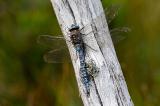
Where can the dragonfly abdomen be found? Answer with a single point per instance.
(85, 77)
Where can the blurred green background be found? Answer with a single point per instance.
(26, 80)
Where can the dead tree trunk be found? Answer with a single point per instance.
(108, 88)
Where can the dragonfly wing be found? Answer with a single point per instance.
(111, 12)
(56, 56)
(118, 34)
(57, 46)
(51, 41)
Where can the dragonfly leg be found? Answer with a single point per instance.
(82, 28)
(87, 33)
(90, 47)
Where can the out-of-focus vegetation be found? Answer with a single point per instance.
(26, 80)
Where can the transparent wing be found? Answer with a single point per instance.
(58, 50)
(111, 12)
(57, 56)
(118, 34)
(51, 41)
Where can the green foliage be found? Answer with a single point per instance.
(26, 80)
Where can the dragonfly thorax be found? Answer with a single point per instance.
(75, 37)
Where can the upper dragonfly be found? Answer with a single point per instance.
(56, 54)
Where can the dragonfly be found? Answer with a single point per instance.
(76, 39)
(57, 45)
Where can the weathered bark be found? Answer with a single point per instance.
(108, 87)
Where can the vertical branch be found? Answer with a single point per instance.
(108, 88)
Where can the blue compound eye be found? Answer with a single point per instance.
(74, 27)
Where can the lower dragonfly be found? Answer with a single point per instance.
(76, 38)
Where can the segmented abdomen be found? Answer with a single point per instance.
(85, 78)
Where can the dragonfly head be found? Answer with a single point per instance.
(73, 27)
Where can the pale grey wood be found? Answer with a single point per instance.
(109, 82)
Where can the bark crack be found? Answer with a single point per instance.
(98, 95)
(71, 11)
(119, 95)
